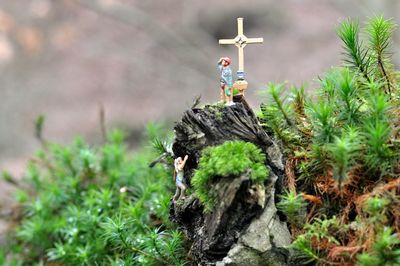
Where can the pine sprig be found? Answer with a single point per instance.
(342, 153)
(380, 32)
(357, 56)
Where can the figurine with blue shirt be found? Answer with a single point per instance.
(226, 80)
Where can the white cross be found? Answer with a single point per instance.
(240, 41)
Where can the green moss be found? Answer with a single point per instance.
(229, 159)
(347, 129)
(236, 91)
(292, 205)
(94, 206)
(384, 251)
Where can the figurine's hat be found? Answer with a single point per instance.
(227, 59)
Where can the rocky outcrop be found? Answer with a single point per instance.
(243, 228)
(263, 242)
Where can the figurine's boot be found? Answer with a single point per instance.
(177, 194)
(182, 190)
(231, 96)
(222, 95)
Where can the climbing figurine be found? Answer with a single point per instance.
(179, 164)
(226, 80)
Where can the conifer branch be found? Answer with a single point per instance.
(357, 56)
(380, 33)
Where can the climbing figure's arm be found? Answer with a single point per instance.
(182, 165)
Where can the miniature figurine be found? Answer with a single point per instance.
(226, 80)
(179, 164)
(241, 41)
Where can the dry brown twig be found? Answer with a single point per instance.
(290, 176)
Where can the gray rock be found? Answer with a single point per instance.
(241, 255)
(275, 156)
(267, 230)
(262, 239)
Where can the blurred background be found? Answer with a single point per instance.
(146, 60)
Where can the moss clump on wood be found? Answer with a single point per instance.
(232, 158)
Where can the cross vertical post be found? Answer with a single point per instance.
(240, 26)
(240, 46)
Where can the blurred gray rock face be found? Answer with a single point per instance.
(263, 242)
(243, 228)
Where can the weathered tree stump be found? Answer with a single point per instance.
(244, 226)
